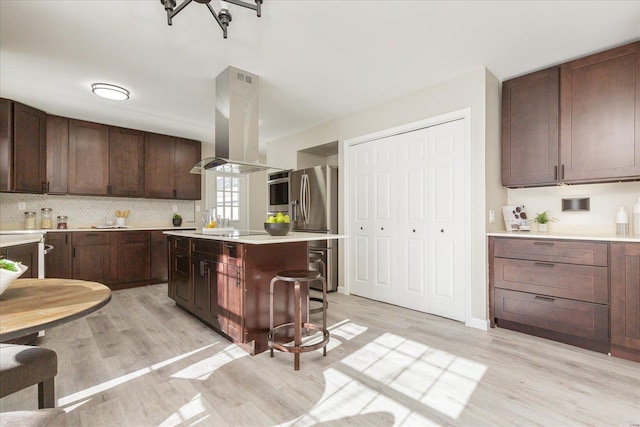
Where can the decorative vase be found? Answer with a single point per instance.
(177, 222)
(543, 228)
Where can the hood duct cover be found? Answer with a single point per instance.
(236, 142)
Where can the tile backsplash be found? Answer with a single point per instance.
(83, 211)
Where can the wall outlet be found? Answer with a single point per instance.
(22, 206)
(492, 216)
(174, 208)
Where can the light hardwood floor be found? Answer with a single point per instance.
(141, 361)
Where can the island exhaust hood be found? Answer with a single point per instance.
(236, 138)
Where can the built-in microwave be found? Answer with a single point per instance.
(278, 186)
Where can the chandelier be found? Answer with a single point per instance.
(222, 18)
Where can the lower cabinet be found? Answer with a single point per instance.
(118, 259)
(226, 285)
(582, 293)
(57, 263)
(625, 300)
(27, 255)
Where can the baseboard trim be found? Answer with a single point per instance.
(481, 324)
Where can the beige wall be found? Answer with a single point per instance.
(477, 90)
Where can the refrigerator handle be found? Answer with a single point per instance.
(307, 199)
(302, 198)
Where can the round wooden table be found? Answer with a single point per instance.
(32, 305)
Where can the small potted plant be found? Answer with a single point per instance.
(543, 219)
(177, 220)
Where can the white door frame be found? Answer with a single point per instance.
(464, 114)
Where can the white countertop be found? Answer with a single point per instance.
(608, 237)
(7, 240)
(64, 230)
(259, 239)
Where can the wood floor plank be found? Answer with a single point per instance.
(141, 361)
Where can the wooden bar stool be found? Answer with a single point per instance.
(22, 366)
(317, 259)
(297, 278)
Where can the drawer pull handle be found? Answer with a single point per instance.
(544, 264)
(544, 298)
(543, 243)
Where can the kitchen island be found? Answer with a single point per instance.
(223, 280)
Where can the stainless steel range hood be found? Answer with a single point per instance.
(236, 142)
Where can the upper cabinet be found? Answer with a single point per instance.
(88, 158)
(168, 161)
(126, 162)
(530, 129)
(57, 154)
(600, 116)
(576, 123)
(22, 148)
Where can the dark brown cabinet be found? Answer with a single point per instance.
(57, 154)
(88, 158)
(625, 300)
(126, 162)
(556, 289)
(530, 136)
(130, 255)
(91, 257)
(168, 161)
(226, 285)
(58, 262)
(26, 254)
(159, 257)
(576, 125)
(22, 148)
(180, 283)
(600, 116)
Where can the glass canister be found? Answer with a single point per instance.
(62, 221)
(29, 220)
(46, 218)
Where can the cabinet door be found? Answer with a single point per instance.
(625, 296)
(187, 185)
(92, 262)
(158, 166)
(530, 108)
(57, 263)
(180, 286)
(25, 254)
(130, 250)
(201, 278)
(600, 116)
(30, 159)
(88, 158)
(6, 144)
(126, 162)
(159, 257)
(57, 154)
(233, 313)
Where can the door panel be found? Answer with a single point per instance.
(360, 223)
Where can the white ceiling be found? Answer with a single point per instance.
(317, 59)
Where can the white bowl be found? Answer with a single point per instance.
(7, 277)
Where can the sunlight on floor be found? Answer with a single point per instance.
(186, 412)
(203, 369)
(398, 376)
(88, 392)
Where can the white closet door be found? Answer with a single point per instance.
(412, 219)
(384, 173)
(447, 193)
(360, 253)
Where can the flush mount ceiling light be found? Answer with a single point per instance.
(109, 91)
(222, 18)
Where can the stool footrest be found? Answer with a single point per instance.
(302, 348)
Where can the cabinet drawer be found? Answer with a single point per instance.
(132, 237)
(565, 251)
(208, 249)
(578, 282)
(233, 253)
(576, 318)
(93, 238)
(180, 244)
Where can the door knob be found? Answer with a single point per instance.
(442, 230)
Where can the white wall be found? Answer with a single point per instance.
(477, 90)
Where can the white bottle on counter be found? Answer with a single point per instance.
(636, 218)
(622, 222)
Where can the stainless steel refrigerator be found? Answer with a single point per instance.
(313, 194)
